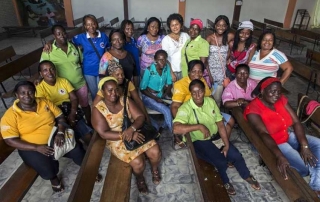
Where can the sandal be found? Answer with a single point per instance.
(99, 178)
(142, 186)
(230, 189)
(58, 188)
(178, 143)
(156, 178)
(230, 165)
(253, 183)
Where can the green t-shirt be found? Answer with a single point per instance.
(67, 65)
(196, 49)
(208, 114)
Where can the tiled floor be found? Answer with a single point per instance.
(179, 181)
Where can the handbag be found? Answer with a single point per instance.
(216, 139)
(226, 80)
(69, 142)
(149, 131)
(66, 110)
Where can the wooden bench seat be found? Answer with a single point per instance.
(211, 185)
(308, 36)
(21, 30)
(292, 39)
(273, 24)
(295, 187)
(258, 25)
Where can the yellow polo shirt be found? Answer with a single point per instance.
(181, 91)
(58, 93)
(32, 127)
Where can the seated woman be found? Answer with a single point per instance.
(182, 94)
(27, 126)
(107, 118)
(270, 115)
(155, 85)
(238, 92)
(200, 116)
(115, 70)
(61, 93)
(267, 60)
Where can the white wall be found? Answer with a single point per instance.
(141, 9)
(109, 9)
(303, 4)
(260, 9)
(208, 9)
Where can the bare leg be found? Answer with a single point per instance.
(138, 165)
(56, 184)
(154, 155)
(229, 127)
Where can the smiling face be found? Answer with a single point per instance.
(244, 34)
(153, 28)
(60, 35)
(197, 94)
(175, 26)
(196, 72)
(242, 75)
(26, 95)
(48, 73)
(267, 42)
(272, 93)
(161, 60)
(117, 40)
(119, 75)
(194, 31)
(110, 91)
(128, 30)
(221, 26)
(90, 25)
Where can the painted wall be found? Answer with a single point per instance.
(302, 4)
(7, 14)
(260, 9)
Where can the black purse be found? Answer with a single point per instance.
(149, 131)
(66, 110)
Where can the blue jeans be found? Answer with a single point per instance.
(159, 107)
(290, 150)
(208, 152)
(81, 129)
(92, 82)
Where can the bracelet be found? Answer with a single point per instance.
(133, 128)
(60, 133)
(304, 146)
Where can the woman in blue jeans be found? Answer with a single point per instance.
(156, 86)
(271, 117)
(201, 117)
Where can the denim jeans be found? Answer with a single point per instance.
(290, 150)
(208, 152)
(81, 129)
(217, 92)
(92, 82)
(159, 107)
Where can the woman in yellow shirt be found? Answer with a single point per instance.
(27, 126)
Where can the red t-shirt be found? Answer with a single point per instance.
(277, 122)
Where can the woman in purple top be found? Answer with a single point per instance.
(238, 92)
(149, 42)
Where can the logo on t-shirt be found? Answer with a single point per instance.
(102, 45)
(62, 91)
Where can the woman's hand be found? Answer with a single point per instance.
(45, 150)
(72, 118)
(204, 130)
(225, 150)
(127, 134)
(138, 137)
(47, 48)
(59, 140)
(308, 157)
(283, 164)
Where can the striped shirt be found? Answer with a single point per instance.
(267, 66)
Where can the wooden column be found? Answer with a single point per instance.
(182, 8)
(68, 12)
(125, 9)
(16, 10)
(236, 12)
(289, 13)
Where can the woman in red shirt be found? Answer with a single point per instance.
(270, 115)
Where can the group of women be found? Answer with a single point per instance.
(183, 68)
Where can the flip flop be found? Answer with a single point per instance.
(58, 188)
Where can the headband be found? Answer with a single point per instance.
(197, 22)
(105, 79)
(268, 81)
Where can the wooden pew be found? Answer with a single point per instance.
(295, 187)
(77, 22)
(273, 24)
(6, 54)
(307, 36)
(20, 30)
(292, 39)
(21, 180)
(117, 181)
(211, 185)
(258, 25)
(313, 56)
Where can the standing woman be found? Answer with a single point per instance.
(120, 55)
(130, 44)
(173, 44)
(149, 42)
(196, 48)
(94, 44)
(267, 60)
(243, 48)
(219, 53)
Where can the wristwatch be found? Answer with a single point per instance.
(133, 128)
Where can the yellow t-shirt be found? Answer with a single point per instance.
(130, 88)
(181, 91)
(32, 127)
(58, 93)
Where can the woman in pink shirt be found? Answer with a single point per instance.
(238, 92)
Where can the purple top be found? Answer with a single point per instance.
(233, 91)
